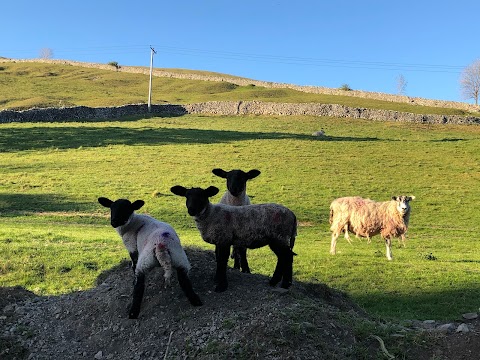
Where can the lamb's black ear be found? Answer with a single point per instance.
(394, 198)
(105, 202)
(411, 197)
(253, 173)
(178, 190)
(211, 191)
(137, 204)
(220, 172)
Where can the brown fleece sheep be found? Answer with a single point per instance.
(366, 218)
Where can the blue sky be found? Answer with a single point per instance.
(365, 44)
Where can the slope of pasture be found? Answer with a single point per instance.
(55, 238)
(27, 85)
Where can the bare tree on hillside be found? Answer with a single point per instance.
(401, 85)
(46, 53)
(470, 81)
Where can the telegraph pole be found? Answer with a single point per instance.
(152, 52)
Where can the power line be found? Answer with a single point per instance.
(264, 58)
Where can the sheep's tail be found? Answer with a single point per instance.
(163, 257)
(293, 234)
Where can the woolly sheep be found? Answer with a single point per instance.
(150, 243)
(236, 195)
(250, 226)
(366, 218)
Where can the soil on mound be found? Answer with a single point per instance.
(249, 321)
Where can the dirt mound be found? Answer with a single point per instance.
(248, 321)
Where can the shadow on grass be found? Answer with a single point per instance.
(68, 137)
(13, 204)
(422, 305)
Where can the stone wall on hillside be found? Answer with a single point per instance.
(229, 108)
(244, 82)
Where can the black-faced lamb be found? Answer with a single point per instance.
(366, 218)
(249, 226)
(150, 243)
(236, 195)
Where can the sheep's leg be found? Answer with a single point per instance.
(388, 243)
(146, 261)
(347, 236)
(138, 290)
(287, 269)
(222, 252)
(402, 241)
(236, 258)
(134, 257)
(216, 257)
(279, 268)
(187, 288)
(333, 245)
(242, 258)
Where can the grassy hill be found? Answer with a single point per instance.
(25, 85)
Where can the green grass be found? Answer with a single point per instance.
(55, 237)
(26, 85)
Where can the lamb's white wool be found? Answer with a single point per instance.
(150, 243)
(149, 237)
(249, 226)
(236, 195)
(366, 218)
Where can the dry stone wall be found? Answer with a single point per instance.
(229, 108)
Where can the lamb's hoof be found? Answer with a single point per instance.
(195, 300)
(133, 315)
(286, 285)
(246, 271)
(280, 290)
(273, 282)
(221, 288)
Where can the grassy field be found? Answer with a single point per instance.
(56, 238)
(27, 85)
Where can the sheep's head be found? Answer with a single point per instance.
(403, 203)
(197, 198)
(120, 210)
(236, 179)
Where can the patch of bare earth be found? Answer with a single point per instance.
(250, 320)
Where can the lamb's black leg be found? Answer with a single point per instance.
(288, 269)
(278, 273)
(242, 258)
(138, 289)
(187, 288)
(236, 258)
(223, 253)
(217, 252)
(134, 257)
